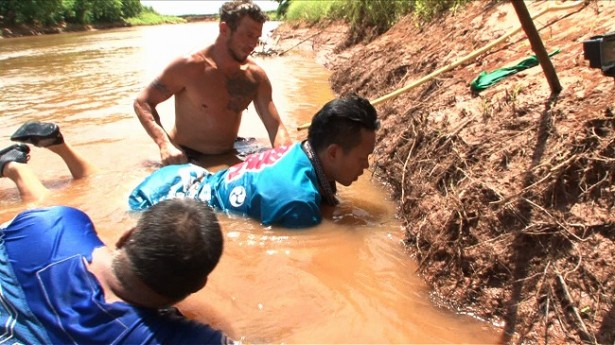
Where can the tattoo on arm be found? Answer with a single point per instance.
(160, 87)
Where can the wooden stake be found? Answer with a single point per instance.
(537, 46)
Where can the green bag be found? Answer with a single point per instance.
(484, 79)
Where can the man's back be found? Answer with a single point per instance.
(278, 186)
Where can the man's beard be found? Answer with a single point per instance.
(232, 52)
(237, 57)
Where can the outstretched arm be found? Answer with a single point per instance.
(161, 89)
(269, 114)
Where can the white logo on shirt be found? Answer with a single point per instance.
(237, 196)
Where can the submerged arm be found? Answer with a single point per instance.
(162, 88)
(267, 111)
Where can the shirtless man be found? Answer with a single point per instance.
(212, 87)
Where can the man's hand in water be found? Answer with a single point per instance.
(170, 154)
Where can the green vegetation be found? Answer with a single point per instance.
(427, 10)
(368, 18)
(81, 12)
(149, 17)
(311, 11)
(272, 15)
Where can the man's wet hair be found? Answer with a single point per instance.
(231, 12)
(174, 246)
(340, 122)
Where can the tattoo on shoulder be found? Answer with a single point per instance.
(158, 85)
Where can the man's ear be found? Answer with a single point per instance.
(224, 28)
(124, 238)
(332, 151)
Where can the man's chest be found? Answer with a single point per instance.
(216, 90)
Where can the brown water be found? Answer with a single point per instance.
(347, 280)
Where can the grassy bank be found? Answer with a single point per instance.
(149, 17)
(368, 18)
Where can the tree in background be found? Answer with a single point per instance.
(107, 11)
(78, 11)
(131, 8)
(44, 12)
(52, 12)
(8, 11)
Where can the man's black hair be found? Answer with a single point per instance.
(340, 122)
(175, 245)
(232, 11)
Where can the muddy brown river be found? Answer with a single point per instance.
(347, 280)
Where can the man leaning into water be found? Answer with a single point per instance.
(287, 185)
(212, 87)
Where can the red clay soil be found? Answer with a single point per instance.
(507, 196)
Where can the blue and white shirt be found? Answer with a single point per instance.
(277, 186)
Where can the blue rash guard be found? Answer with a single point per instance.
(48, 296)
(277, 186)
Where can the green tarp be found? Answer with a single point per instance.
(484, 79)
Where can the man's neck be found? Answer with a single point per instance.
(325, 185)
(130, 290)
(101, 268)
(223, 59)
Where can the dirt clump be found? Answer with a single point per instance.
(507, 196)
